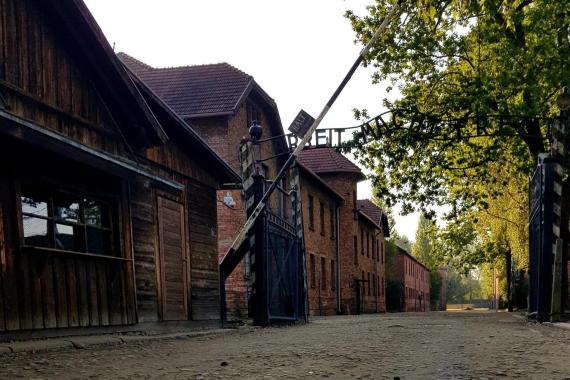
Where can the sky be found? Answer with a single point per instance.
(298, 51)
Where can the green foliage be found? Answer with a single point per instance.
(463, 61)
(422, 247)
(462, 288)
(394, 295)
(434, 286)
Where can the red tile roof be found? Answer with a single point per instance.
(195, 91)
(318, 180)
(328, 160)
(369, 208)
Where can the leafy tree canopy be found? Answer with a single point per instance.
(478, 81)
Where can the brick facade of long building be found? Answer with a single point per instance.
(361, 237)
(343, 245)
(414, 281)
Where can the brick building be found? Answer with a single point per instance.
(361, 237)
(220, 102)
(413, 278)
(320, 208)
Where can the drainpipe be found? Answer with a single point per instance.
(338, 263)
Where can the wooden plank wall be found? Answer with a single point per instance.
(200, 203)
(40, 290)
(42, 82)
(204, 275)
(202, 249)
(145, 247)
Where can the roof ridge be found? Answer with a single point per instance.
(231, 67)
(137, 61)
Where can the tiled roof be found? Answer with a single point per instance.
(367, 207)
(328, 160)
(315, 177)
(370, 209)
(194, 91)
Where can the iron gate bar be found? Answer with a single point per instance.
(276, 229)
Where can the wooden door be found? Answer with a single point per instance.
(172, 256)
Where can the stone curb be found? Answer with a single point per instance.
(81, 342)
(558, 325)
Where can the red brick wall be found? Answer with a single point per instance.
(415, 278)
(321, 245)
(345, 185)
(354, 263)
(371, 265)
(224, 135)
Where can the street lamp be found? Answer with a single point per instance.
(255, 131)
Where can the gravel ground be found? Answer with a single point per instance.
(408, 346)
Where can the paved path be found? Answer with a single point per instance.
(410, 346)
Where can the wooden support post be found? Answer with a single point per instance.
(509, 259)
(556, 303)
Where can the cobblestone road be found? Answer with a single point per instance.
(410, 346)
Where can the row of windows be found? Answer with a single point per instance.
(323, 274)
(368, 242)
(414, 293)
(414, 269)
(374, 285)
(322, 217)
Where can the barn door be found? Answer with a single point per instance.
(172, 255)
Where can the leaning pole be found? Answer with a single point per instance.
(229, 261)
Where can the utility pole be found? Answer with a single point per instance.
(494, 291)
(509, 258)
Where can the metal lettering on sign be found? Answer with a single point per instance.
(300, 126)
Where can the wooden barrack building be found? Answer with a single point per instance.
(107, 198)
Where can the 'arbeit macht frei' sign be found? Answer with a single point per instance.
(322, 137)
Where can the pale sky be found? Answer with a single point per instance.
(297, 50)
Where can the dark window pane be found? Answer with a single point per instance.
(34, 202)
(96, 213)
(35, 231)
(66, 208)
(99, 241)
(69, 238)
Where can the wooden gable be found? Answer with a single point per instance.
(44, 78)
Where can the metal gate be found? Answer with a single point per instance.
(282, 268)
(541, 239)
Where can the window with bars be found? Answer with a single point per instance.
(66, 221)
(253, 113)
(323, 274)
(362, 241)
(313, 272)
(322, 217)
(355, 250)
(311, 212)
(331, 221)
(333, 276)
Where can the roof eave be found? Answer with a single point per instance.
(87, 20)
(313, 175)
(232, 175)
(365, 216)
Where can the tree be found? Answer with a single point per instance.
(422, 247)
(478, 80)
